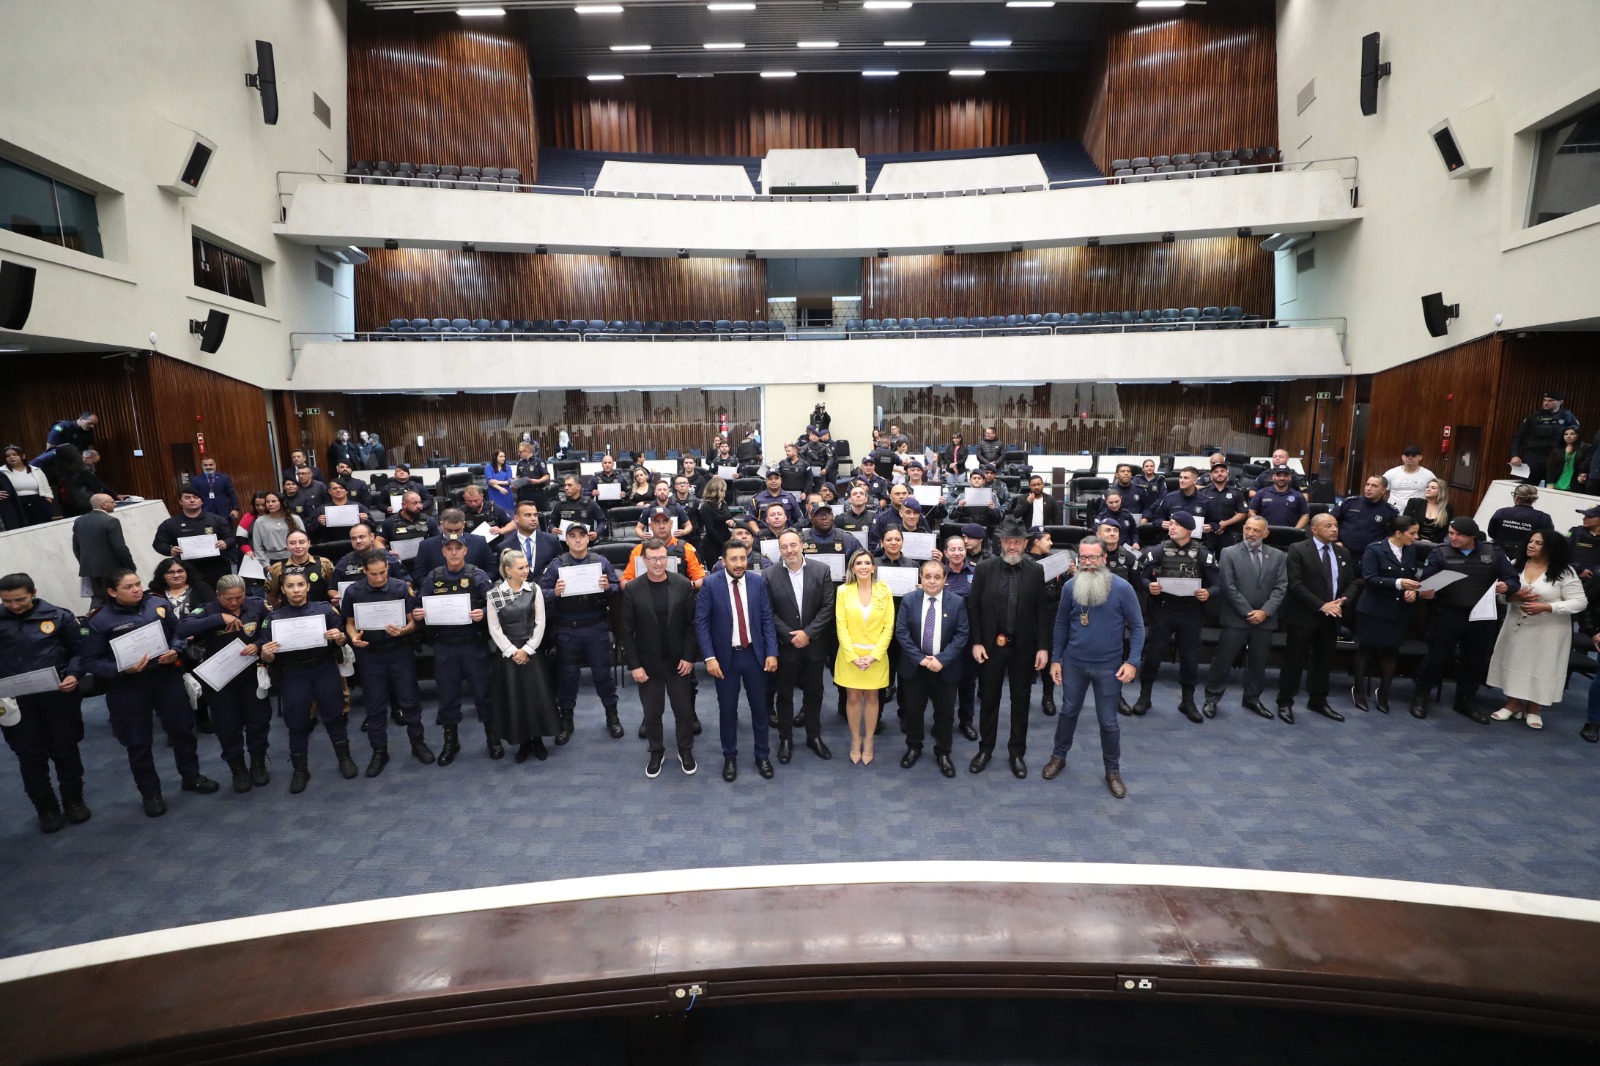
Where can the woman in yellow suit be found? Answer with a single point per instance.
(864, 617)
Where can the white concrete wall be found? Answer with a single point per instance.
(810, 168)
(715, 179)
(44, 552)
(104, 92)
(985, 173)
(1424, 232)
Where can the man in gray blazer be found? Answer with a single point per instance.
(1255, 580)
(803, 594)
(98, 543)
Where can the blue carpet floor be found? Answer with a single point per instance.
(1440, 800)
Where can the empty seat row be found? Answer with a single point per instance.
(431, 175)
(838, 197)
(1145, 321)
(433, 329)
(1251, 157)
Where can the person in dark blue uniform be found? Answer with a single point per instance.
(412, 524)
(351, 567)
(193, 521)
(1225, 507)
(583, 632)
(309, 677)
(35, 635)
(78, 432)
(430, 554)
(1281, 504)
(1451, 629)
(385, 663)
(1510, 527)
(149, 688)
(574, 506)
(230, 625)
(1175, 618)
(1586, 545)
(1186, 498)
(460, 652)
(1363, 520)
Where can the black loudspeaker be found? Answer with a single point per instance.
(210, 331)
(1371, 72)
(266, 79)
(16, 294)
(1437, 314)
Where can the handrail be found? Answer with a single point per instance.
(1283, 166)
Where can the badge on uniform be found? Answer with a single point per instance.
(311, 576)
(161, 612)
(1000, 640)
(47, 628)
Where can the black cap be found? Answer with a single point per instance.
(1465, 526)
(403, 466)
(1412, 449)
(1282, 470)
(581, 527)
(1182, 518)
(1223, 466)
(452, 538)
(974, 531)
(1555, 394)
(1593, 512)
(656, 512)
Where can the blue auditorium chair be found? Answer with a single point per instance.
(1068, 321)
(1122, 164)
(396, 323)
(1034, 322)
(1142, 174)
(1159, 161)
(1140, 161)
(421, 324)
(1232, 316)
(616, 325)
(1091, 320)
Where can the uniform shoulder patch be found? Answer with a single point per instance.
(47, 627)
(161, 612)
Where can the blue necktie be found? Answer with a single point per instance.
(927, 629)
(527, 549)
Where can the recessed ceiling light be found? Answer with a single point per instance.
(816, 44)
(1030, 3)
(1160, 3)
(777, 73)
(605, 77)
(479, 12)
(966, 72)
(630, 48)
(724, 45)
(599, 9)
(879, 73)
(730, 7)
(991, 43)
(886, 5)
(904, 44)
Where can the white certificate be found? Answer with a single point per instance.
(1484, 610)
(1179, 586)
(203, 546)
(978, 498)
(900, 579)
(483, 531)
(1520, 470)
(380, 614)
(927, 495)
(672, 564)
(300, 634)
(581, 580)
(135, 644)
(816, 471)
(335, 517)
(250, 569)
(1056, 563)
(394, 504)
(224, 665)
(608, 490)
(1443, 579)
(406, 549)
(834, 561)
(727, 473)
(919, 546)
(836, 508)
(454, 609)
(30, 683)
(344, 585)
(769, 548)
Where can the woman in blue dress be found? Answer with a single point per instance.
(499, 473)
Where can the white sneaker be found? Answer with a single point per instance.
(1535, 720)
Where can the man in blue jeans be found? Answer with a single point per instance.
(1098, 610)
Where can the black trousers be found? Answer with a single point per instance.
(662, 686)
(240, 719)
(1166, 626)
(1233, 640)
(1308, 650)
(1448, 631)
(50, 731)
(1014, 664)
(916, 689)
(806, 672)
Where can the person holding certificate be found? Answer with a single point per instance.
(863, 616)
(1459, 625)
(132, 646)
(198, 537)
(301, 641)
(335, 518)
(376, 612)
(405, 530)
(227, 629)
(452, 603)
(581, 588)
(1178, 575)
(318, 572)
(41, 668)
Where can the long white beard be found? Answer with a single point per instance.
(1091, 588)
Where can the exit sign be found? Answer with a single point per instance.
(1320, 396)
(318, 410)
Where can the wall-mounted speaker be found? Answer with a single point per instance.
(266, 79)
(210, 330)
(1468, 141)
(16, 294)
(195, 163)
(1436, 314)
(1371, 72)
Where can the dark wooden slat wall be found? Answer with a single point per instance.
(748, 115)
(426, 89)
(434, 283)
(1218, 270)
(1202, 80)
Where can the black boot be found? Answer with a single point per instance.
(497, 748)
(564, 733)
(614, 724)
(241, 774)
(347, 765)
(301, 775)
(380, 759)
(1142, 704)
(1186, 706)
(452, 745)
(72, 800)
(258, 769)
(50, 819)
(421, 752)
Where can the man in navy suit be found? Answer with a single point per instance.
(540, 547)
(217, 494)
(932, 633)
(733, 621)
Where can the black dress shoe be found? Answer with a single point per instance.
(1474, 714)
(821, 749)
(1048, 705)
(909, 759)
(1327, 712)
(764, 767)
(980, 762)
(1118, 789)
(1191, 712)
(1590, 732)
(200, 783)
(730, 769)
(1053, 768)
(497, 748)
(1419, 708)
(1258, 707)
(1286, 712)
(946, 767)
(1124, 708)
(1019, 768)
(969, 732)
(614, 726)
(785, 751)
(1209, 708)
(154, 806)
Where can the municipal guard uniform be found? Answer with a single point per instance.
(67, 431)
(1284, 508)
(51, 727)
(859, 524)
(387, 668)
(1218, 506)
(1585, 547)
(1511, 527)
(1175, 501)
(1536, 437)
(319, 575)
(242, 720)
(348, 569)
(1450, 627)
(205, 525)
(1174, 618)
(877, 487)
(765, 498)
(528, 470)
(310, 678)
(136, 699)
(582, 510)
(583, 636)
(401, 528)
(461, 654)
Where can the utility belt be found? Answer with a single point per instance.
(580, 623)
(385, 647)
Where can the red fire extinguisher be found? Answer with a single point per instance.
(722, 425)
(1260, 409)
(1272, 420)
(1444, 442)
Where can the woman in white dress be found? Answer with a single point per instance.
(1530, 656)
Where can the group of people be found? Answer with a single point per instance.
(861, 576)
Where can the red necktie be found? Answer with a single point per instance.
(738, 613)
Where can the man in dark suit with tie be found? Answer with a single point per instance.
(98, 543)
(803, 595)
(1008, 613)
(1320, 575)
(530, 540)
(1255, 581)
(658, 644)
(733, 623)
(931, 631)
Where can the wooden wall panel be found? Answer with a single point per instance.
(1201, 80)
(746, 115)
(1220, 271)
(427, 89)
(1532, 363)
(433, 283)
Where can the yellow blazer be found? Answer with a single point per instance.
(857, 635)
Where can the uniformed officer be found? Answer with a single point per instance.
(532, 481)
(192, 521)
(328, 539)
(312, 487)
(35, 635)
(308, 677)
(476, 510)
(867, 474)
(681, 557)
(460, 652)
(1185, 498)
(409, 525)
(606, 475)
(299, 502)
(231, 625)
(1451, 628)
(1225, 507)
(217, 494)
(775, 493)
(1510, 527)
(824, 538)
(679, 516)
(1152, 486)
(151, 687)
(1280, 503)
(401, 483)
(1586, 545)
(430, 555)
(774, 521)
(351, 567)
(794, 472)
(360, 492)
(1174, 615)
(573, 506)
(318, 572)
(1539, 435)
(888, 515)
(79, 432)
(583, 631)
(384, 662)
(1363, 520)
(857, 515)
(741, 535)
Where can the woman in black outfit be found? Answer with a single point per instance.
(1385, 610)
(1433, 512)
(715, 521)
(75, 482)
